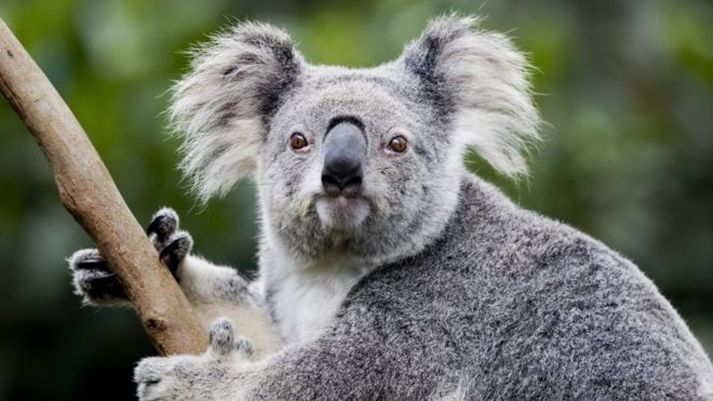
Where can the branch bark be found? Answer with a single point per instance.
(88, 192)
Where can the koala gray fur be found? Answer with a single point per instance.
(429, 285)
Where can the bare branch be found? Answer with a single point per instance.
(90, 195)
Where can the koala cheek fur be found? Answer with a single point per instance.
(441, 288)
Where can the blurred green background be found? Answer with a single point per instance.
(626, 87)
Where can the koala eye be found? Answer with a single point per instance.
(298, 142)
(398, 144)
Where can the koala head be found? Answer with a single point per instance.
(363, 161)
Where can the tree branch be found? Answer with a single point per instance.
(90, 195)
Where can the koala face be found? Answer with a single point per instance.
(359, 161)
(398, 173)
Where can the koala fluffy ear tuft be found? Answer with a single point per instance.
(481, 81)
(222, 107)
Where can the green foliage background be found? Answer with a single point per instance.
(626, 86)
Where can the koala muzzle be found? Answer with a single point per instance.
(344, 152)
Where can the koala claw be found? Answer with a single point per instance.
(172, 245)
(93, 279)
(87, 259)
(175, 249)
(163, 223)
(223, 342)
(221, 337)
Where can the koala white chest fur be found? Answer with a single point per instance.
(386, 270)
(305, 297)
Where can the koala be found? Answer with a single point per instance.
(387, 271)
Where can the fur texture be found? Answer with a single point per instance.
(485, 80)
(221, 107)
(445, 289)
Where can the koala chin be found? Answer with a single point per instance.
(342, 213)
(387, 271)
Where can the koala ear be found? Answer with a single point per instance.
(481, 81)
(222, 107)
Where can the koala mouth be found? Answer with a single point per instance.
(342, 213)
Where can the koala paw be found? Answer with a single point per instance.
(191, 377)
(172, 245)
(224, 344)
(93, 280)
(93, 277)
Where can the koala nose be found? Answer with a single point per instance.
(344, 151)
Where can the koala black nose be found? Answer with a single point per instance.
(344, 151)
